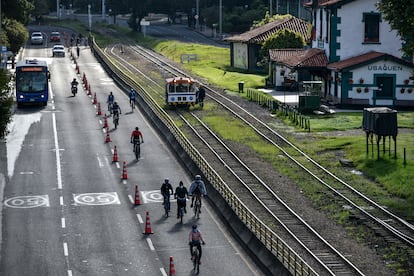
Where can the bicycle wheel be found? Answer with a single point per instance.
(196, 260)
(166, 207)
(137, 151)
(132, 105)
(181, 214)
(116, 122)
(197, 209)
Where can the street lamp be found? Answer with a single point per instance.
(103, 10)
(89, 17)
(220, 17)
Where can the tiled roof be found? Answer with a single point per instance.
(299, 57)
(260, 34)
(364, 58)
(323, 3)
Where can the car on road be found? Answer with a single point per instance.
(58, 50)
(36, 38)
(54, 37)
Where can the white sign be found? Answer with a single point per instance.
(94, 199)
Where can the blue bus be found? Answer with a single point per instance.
(32, 82)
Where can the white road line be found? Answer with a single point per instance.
(151, 246)
(131, 199)
(63, 221)
(163, 272)
(101, 165)
(61, 200)
(140, 219)
(65, 249)
(69, 272)
(58, 166)
(117, 165)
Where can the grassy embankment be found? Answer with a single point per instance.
(389, 179)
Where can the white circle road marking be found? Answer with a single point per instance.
(96, 199)
(27, 201)
(153, 196)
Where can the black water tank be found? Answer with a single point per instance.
(381, 121)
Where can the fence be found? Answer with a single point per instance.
(274, 106)
(286, 255)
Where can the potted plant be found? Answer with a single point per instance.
(361, 80)
(366, 89)
(402, 90)
(350, 81)
(410, 90)
(359, 89)
(407, 81)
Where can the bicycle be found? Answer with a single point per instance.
(181, 210)
(197, 206)
(137, 149)
(110, 107)
(132, 103)
(116, 119)
(196, 259)
(167, 206)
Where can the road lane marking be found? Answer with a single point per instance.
(96, 199)
(151, 246)
(154, 196)
(65, 249)
(58, 165)
(163, 272)
(140, 219)
(61, 200)
(131, 199)
(69, 272)
(25, 202)
(63, 222)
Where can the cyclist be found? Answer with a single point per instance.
(181, 195)
(136, 137)
(165, 191)
(197, 188)
(116, 109)
(74, 82)
(132, 95)
(110, 101)
(195, 239)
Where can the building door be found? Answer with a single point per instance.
(386, 87)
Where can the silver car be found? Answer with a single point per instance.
(58, 50)
(36, 38)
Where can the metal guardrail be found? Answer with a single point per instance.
(279, 248)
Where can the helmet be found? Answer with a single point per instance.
(166, 180)
(110, 92)
(198, 177)
(115, 103)
(181, 183)
(136, 128)
(132, 90)
(194, 226)
(74, 79)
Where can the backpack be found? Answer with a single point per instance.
(197, 190)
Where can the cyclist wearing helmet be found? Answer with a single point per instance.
(110, 101)
(116, 109)
(136, 136)
(197, 188)
(132, 95)
(166, 188)
(195, 239)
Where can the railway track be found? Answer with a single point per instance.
(321, 254)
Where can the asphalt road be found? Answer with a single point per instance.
(66, 210)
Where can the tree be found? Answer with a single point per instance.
(399, 15)
(283, 39)
(16, 33)
(6, 102)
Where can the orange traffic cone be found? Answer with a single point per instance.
(137, 199)
(172, 268)
(148, 229)
(115, 157)
(124, 172)
(105, 125)
(99, 109)
(77, 69)
(94, 98)
(107, 139)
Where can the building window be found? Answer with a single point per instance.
(371, 32)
